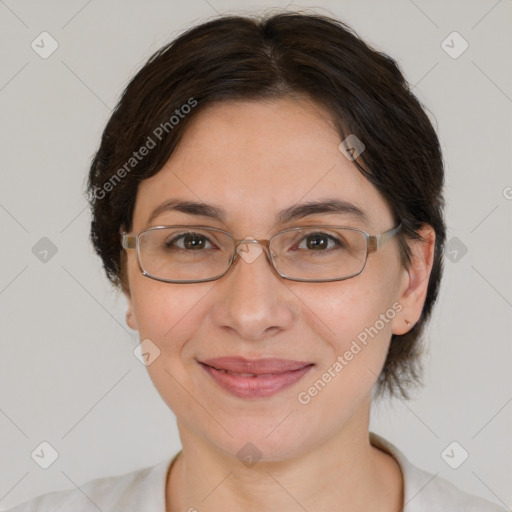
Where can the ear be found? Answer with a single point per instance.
(415, 279)
(131, 319)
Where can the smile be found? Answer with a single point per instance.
(255, 378)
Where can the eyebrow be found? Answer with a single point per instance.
(295, 212)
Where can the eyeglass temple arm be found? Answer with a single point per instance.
(375, 242)
(128, 241)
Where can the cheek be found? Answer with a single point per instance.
(356, 330)
(169, 318)
(341, 312)
(354, 321)
(165, 313)
(157, 307)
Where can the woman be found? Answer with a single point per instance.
(268, 195)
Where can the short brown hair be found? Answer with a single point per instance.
(243, 58)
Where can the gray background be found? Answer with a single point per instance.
(67, 372)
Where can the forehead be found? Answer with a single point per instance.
(254, 158)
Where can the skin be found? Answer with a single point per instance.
(252, 159)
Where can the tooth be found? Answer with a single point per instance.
(238, 374)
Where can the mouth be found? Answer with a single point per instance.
(255, 378)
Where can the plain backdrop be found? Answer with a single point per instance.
(68, 375)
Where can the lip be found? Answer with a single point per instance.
(255, 378)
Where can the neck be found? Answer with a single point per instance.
(344, 473)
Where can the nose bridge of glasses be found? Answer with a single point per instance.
(250, 248)
(251, 240)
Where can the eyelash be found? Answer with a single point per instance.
(337, 242)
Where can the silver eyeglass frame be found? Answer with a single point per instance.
(373, 244)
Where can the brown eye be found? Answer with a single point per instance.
(189, 241)
(319, 242)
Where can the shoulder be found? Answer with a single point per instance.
(426, 492)
(139, 490)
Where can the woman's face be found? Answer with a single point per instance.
(251, 160)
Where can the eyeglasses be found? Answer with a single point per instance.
(193, 254)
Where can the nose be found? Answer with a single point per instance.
(254, 302)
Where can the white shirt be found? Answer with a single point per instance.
(144, 491)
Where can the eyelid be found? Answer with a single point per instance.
(323, 223)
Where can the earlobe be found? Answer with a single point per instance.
(131, 319)
(415, 280)
(130, 316)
